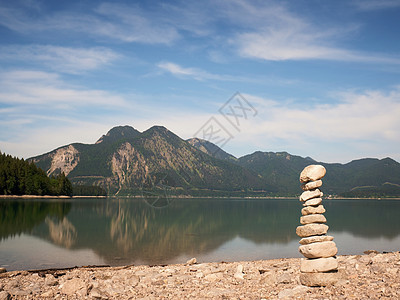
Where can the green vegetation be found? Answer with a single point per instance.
(88, 190)
(386, 190)
(19, 177)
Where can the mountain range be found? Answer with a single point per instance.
(157, 161)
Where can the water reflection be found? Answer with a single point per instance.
(124, 231)
(19, 216)
(369, 218)
(62, 232)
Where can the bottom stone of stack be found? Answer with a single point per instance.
(320, 279)
(318, 265)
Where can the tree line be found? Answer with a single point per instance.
(20, 177)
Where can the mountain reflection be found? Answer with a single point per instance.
(19, 216)
(124, 231)
(189, 227)
(62, 232)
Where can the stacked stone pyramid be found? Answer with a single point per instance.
(319, 267)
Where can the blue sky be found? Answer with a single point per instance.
(315, 78)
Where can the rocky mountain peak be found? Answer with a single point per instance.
(210, 149)
(119, 132)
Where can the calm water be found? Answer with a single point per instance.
(48, 234)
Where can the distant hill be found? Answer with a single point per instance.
(381, 176)
(371, 172)
(128, 162)
(280, 169)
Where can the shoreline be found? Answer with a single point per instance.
(372, 275)
(186, 197)
(183, 197)
(46, 197)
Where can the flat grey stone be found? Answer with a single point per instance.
(315, 239)
(318, 250)
(308, 210)
(306, 195)
(320, 279)
(324, 264)
(311, 229)
(314, 218)
(311, 185)
(313, 202)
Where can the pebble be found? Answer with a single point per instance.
(318, 250)
(315, 239)
(320, 279)
(314, 218)
(239, 272)
(310, 194)
(50, 280)
(311, 229)
(318, 265)
(309, 210)
(311, 185)
(191, 261)
(313, 202)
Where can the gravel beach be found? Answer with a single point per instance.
(372, 276)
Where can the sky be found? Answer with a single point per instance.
(310, 77)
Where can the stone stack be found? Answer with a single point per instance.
(319, 267)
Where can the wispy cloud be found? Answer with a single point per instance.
(369, 115)
(359, 124)
(131, 24)
(60, 59)
(369, 5)
(275, 33)
(293, 44)
(48, 89)
(195, 73)
(266, 30)
(114, 21)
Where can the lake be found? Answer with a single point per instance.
(38, 234)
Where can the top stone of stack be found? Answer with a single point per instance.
(312, 173)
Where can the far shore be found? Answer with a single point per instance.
(187, 196)
(45, 197)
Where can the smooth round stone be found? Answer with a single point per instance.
(3, 270)
(312, 173)
(309, 210)
(313, 202)
(315, 239)
(311, 229)
(318, 265)
(318, 250)
(306, 195)
(315, 218)
(311, 185)
(320, 279)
